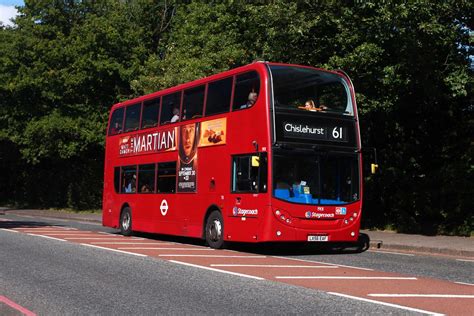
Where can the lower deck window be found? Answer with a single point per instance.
(146, 178)
(129, 179)
(167, 177)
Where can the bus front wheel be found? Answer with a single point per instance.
(126, 221)
(215, 230)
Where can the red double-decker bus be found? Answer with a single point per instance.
(264, 152)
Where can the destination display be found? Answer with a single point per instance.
(315, 130)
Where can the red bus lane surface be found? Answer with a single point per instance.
(425, 295)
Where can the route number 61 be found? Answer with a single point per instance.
(337, 132)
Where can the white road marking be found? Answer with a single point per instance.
(345, 278)
(115, 250)
(130, 243)
(164, 248)
(63, 220)
(90, 238)
(70, 234)
(387, 304)
(392, 253)
(47, 228)
(9, 230)
(44, 231)
(423, 295)
(465, 260)
(210, 256)
(331, 264)
(463, 283)
(217, 270)
(42, 236)
(271, 266)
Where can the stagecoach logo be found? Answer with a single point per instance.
(341, 211)
(147, 143)
(242, 212)
(318, 215)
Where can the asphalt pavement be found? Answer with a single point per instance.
(381, 240)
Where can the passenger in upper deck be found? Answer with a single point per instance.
(310, 106)
(116, 129)
(175, 117)
(251, 100)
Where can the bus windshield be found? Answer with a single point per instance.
(306, 89)
(316, 179)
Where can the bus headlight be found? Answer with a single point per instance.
(283, 216)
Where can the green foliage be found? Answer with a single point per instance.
(62, 66)
(66, 62)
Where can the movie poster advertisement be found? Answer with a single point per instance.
(147, 143)
(189, 136)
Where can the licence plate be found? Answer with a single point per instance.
(318, 238)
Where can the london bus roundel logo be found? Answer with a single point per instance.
(164, 207)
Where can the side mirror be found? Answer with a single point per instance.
(255, 161)
(373, 168)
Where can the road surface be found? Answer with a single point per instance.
(57, 267)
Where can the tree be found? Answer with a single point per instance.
(63, 66)
(66, 62)
(410, 66)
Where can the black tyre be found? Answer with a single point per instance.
(126, 222)
(215, 230)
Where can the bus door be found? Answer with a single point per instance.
(246, 207)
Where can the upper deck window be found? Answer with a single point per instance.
(193, 102)
(218, 96)
(132, 117)
(247, 90)
(150, 113)
(310, 90)
(170, 108)
(116, 122)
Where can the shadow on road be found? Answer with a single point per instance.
(280, 249)
(300, 249)
(25, 224)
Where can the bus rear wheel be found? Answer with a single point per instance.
(215, 230)
(126, 221)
